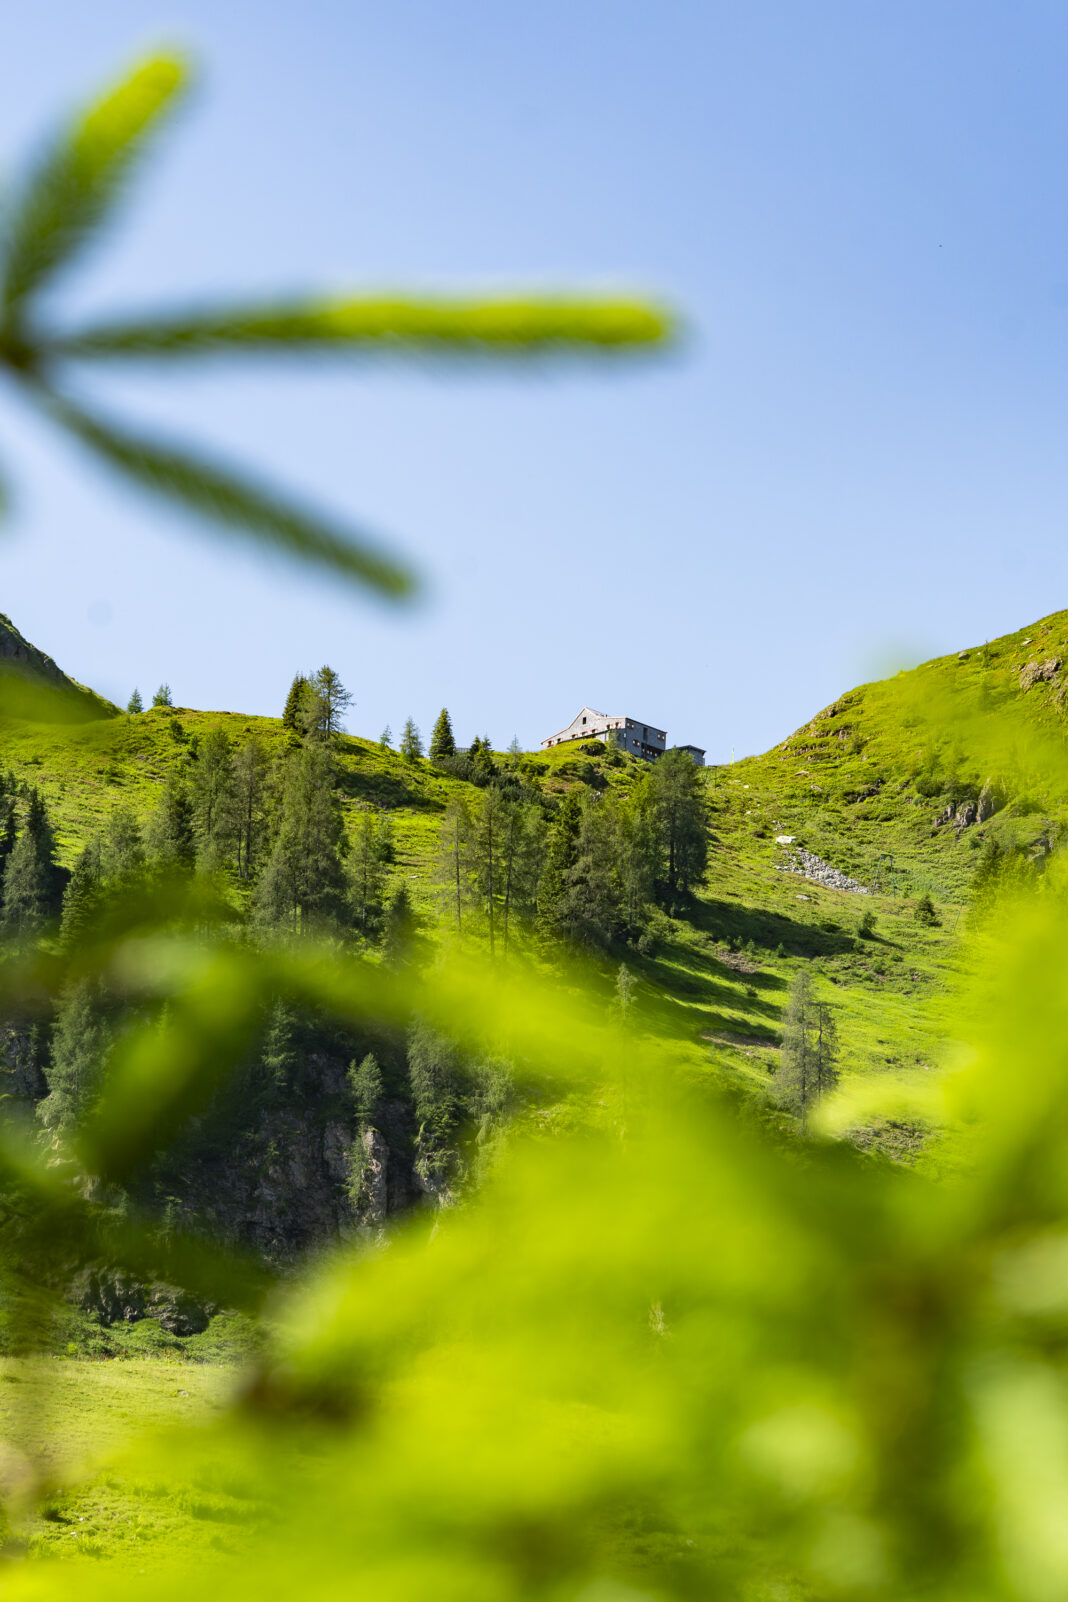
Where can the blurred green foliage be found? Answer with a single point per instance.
(669, 1353)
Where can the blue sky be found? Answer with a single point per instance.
(857, 460)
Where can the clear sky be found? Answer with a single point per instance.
(858, 459)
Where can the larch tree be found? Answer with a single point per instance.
(302, 885)
(411, 746)
(212, 786)
(249, 806)
(327, 702)
(365, 1083)
(367, 874)
(453, 865)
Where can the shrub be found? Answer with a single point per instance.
(866, 926)
(924, 911)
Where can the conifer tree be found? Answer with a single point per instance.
(80, 1042)
(121, 853)
(453, 864)
(442, 742)
(171, 836)
(302, 886)
(329, 700)
(798, 1080)
(365, 1083)
(8, 827)
(385, 739)
(559, 861)
(434, 1076)
(367, 875)
(399, 930)
(249, 806)
(522, 835)
(411, 746)
(281, 1057)
(162, 696)
(487, 858)
(677, 798)
(81, 898)
(212, 794)
(291, 715)
(33, 881)
(515, 751)
(135, 704)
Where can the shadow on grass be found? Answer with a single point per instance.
(727, 920)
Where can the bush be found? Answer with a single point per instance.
(866, 926)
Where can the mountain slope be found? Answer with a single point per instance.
(33, 687)
(871, 795)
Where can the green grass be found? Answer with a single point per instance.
(81, 1423)
(845, 786)
(714, 985)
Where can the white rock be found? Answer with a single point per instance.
(785, 839)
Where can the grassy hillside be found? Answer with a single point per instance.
(866, 787)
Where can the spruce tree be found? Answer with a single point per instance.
(385, 739)
(399, 930)
(33, 881)
(8, 829)
(678, 802)
(82, 897)
(291, 715)
(171, 837)
(411, 746)
(121, 853)
(80, 1042)
(135, 703)
(162, 696)
(559, 862)
(442, 743)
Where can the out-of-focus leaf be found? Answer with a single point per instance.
(165, 1072)
(32, 700)
(82, 176)
(47, 1226)
(434, 325)
(236, 503)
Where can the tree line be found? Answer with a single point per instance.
(590, 869)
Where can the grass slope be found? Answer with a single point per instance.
(862, 786)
